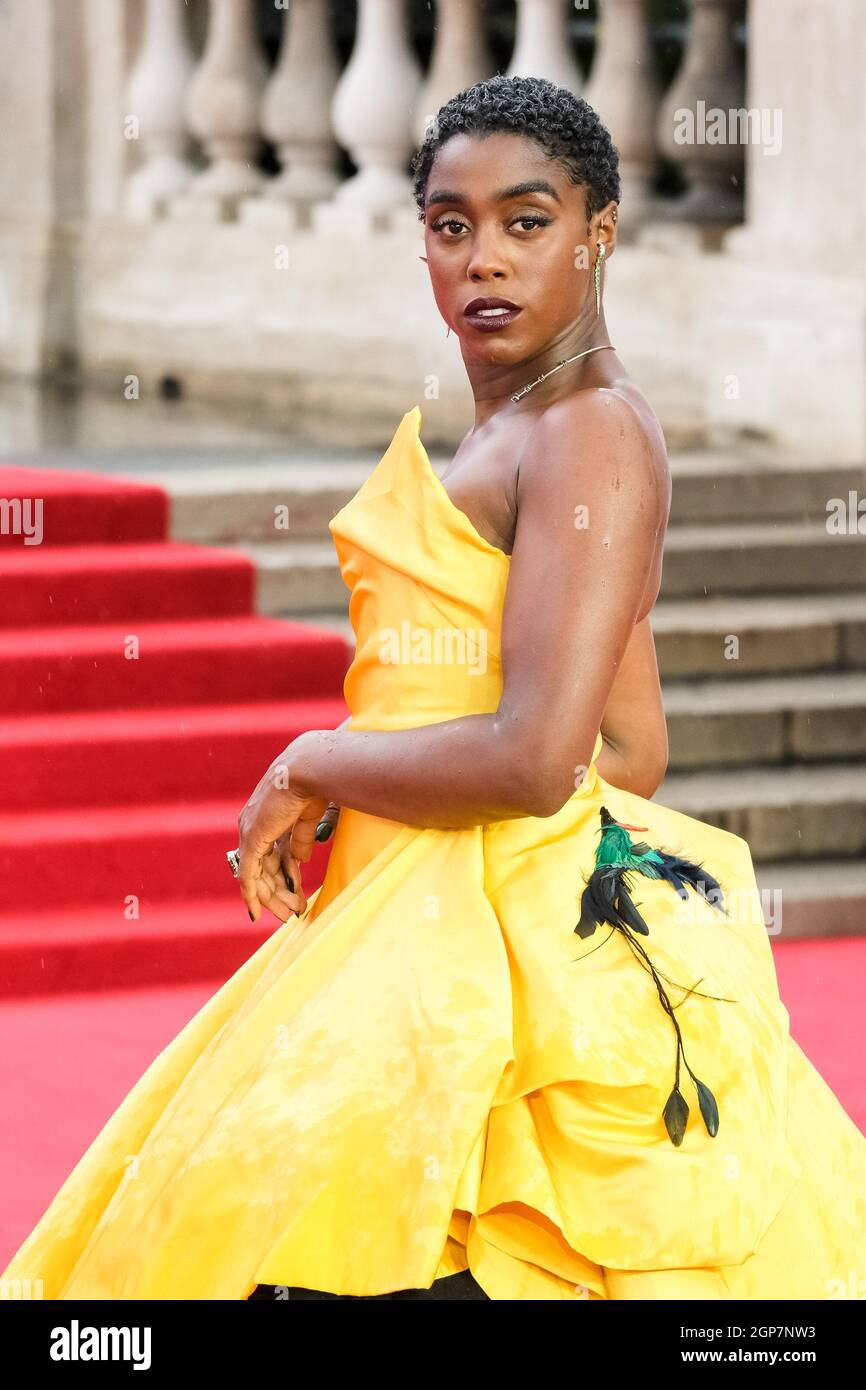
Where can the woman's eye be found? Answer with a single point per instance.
(451, 223)
(527, 223)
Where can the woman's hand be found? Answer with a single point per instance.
(277, 828)
(278, 882)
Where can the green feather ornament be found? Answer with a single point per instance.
(606, 899)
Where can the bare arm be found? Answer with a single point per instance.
(634, 755)
(573, 597)
(635, 751)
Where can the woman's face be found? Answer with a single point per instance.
(503, 221)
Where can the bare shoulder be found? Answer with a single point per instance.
(609, 437)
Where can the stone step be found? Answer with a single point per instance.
(812, 898)
(295, 579)
(746, 635)
(266, 500)
(239, 498)
(761, 557)
(778, 719)
(785, 813)
(713, 486)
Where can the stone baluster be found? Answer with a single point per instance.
(695, 126)
(155, 101)
(624, 90)
(542, 47)
(372, 111)
(223, 109)
(296, 110)
(460, 58)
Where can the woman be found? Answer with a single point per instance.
(506, 1050)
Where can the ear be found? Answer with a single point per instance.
(604, 228)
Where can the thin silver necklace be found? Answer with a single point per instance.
(544, 375)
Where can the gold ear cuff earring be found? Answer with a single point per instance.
(599, 258)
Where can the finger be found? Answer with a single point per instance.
(277, 897)
(271, 864)
(253, 856)
(294, 875)
(291, 877)
(278, 900)
(303, 838)
(249, 872)
(290, 868)
(328, 823)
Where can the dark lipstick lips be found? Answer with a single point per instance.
(489, 323)
(488, 303)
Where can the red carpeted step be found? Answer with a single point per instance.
(142, 664)
(123, 857)
(150, 580)
(132, 756)
(46, 506)
(141, 699)
(98, 948)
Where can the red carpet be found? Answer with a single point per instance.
(67, 1061)
(141, 698)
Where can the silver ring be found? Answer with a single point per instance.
(234, 858)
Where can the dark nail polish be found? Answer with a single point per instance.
(289, 881)
(323, 830)
(250, 915)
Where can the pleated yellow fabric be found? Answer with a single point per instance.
(429, 1071)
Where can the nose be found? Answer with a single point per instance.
(485, 260)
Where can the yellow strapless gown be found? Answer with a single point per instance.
(429, 1071)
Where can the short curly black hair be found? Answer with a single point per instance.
(565, 126)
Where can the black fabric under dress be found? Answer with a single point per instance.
(454, 1287)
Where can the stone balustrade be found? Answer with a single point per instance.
(213, 195)
(203, 117)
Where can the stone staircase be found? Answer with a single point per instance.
(760, 631)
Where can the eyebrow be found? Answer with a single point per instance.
(514, 190)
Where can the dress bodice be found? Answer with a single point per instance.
(427, 596)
